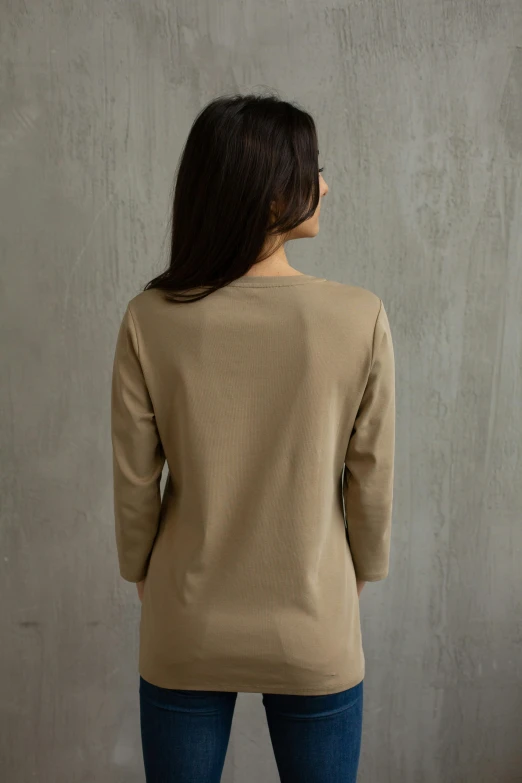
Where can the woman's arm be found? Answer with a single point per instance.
(370, 463)
(138, 457)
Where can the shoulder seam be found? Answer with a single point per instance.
(374, 331)
(135, 330)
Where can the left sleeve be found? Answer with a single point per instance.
(138, 456)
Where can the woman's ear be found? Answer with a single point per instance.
(273, 213)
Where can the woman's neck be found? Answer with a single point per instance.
(274, 266)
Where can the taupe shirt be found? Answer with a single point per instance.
(257, 397)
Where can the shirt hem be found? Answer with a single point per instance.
(259, 688)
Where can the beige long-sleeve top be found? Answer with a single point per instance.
(272, 401)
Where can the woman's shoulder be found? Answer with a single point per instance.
(354, 291)
(354, 300)
(144, 301)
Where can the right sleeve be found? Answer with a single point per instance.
(370, 462)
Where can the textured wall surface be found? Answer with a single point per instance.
(419, 111)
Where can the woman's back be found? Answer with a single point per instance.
(257, 396)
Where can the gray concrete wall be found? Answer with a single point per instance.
(419, 109)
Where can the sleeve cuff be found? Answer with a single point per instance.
(372, 577)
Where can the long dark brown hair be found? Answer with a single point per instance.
(249, 169)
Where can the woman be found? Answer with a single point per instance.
(270, 395)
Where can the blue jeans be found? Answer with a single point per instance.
(185, 734)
